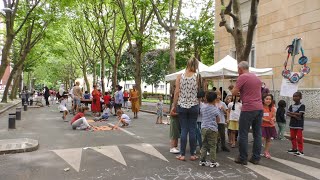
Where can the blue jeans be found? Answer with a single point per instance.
(198, 134)
(247, 119)
(188, 122)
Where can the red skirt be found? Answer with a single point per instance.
(95, 105)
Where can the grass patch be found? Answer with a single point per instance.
(155, 101)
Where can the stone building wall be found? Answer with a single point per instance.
(311, 99)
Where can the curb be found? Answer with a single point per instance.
(306, 140)
(9, 107)
(34, 146)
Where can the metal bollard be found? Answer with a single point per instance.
(25, 107)
(12, 121)
(18, 113)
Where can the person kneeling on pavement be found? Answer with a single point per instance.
(79, 121)
(123, 119)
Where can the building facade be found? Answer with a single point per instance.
(279, 22)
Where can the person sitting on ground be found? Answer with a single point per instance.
(105, 114)
(209, 130)
(63, 106)
(123, 119)
(79, 121)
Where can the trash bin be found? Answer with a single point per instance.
(18, 113)
(12, 121)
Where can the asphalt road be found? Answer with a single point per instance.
(138, 152)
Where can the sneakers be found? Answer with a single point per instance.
(204, 163)
(298, 153)
(209, 164)
(174, 150)
(214, 164)
(292, 151)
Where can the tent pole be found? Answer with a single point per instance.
(274, 93)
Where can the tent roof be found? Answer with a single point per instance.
(173, 76)
(228, 67)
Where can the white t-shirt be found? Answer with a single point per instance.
(63, 102)
(106, 111)
(71, 92)
(200, 114)
(126, 118)
(235, 114)
(219, 106)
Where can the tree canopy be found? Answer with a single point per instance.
(104, 39)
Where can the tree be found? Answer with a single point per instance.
(98, 14)
(155, 66)
(171, 27)
(11, 8)
(33, 33)
(80, 48)
(243, 46)
(137, 17)
(197, 35)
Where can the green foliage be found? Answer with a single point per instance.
(146, 95)
(197, 37)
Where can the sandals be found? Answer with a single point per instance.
(194, 158)
(181, 158)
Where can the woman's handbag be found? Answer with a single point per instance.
(201, 92)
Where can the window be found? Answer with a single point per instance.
(161, 87)
(252, 56)
(233, 53)
(127, 86)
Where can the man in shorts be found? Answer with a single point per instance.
(77, 95)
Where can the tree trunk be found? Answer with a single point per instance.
(5, 53)
(84, 71)
(137, 76)
(114, 76)
(102, 66)
(16, 83)
(115, 70)
(6, 90)
(172, 64)
(94, 74)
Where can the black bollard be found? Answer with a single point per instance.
(12, 121)
(25, 107)
(18, 113)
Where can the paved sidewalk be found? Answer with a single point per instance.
(14, 145)
(311, 130)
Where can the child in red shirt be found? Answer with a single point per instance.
(125, 99)
(79, 121)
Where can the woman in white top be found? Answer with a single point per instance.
(186, 104)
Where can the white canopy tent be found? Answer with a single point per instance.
(228, 67)
(173, 76)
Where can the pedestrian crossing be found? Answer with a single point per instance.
(315, 172)
(274, 174)
(73, 157)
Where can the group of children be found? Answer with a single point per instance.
(211, 123)
(80, 122)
